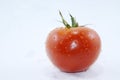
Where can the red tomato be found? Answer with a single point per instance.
(73, 49)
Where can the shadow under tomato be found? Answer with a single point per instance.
(92, 72)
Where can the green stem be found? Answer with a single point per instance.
(64, 21)
(73, 21)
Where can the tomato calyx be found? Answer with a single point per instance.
(73, 21)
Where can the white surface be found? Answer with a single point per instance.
(25, 24)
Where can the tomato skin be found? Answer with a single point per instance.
(74, 49)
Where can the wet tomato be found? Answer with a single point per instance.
(73, 48)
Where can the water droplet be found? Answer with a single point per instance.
(86, 48)
(73, 45)
(75, 32)
(65, 47)
(96, 48)
(86, 45)
(86, 41)
(68, 54)
(82, 33)
(55, 47)
(60, 42)
(55, 37)
(92, 36)
(81, 37)
(69, 36)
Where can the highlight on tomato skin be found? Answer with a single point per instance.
(73, 48)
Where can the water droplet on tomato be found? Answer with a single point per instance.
(60, 42)
(55, 38)
(81, 37)
(73, 45)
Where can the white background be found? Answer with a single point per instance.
(25, 24)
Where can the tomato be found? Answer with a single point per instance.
(73, 49)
